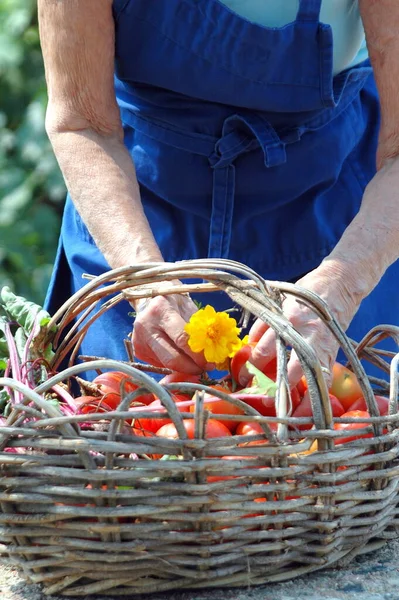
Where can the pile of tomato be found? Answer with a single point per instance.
(346, 400)
(110, 388)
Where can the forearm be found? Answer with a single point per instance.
(100, 177)
(381, 22)
(370, 244)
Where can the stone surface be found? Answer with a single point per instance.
(374, 576)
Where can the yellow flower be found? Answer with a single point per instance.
(239, 345)
(213, 333)
(225, 365)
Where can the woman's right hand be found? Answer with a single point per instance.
(159, 337)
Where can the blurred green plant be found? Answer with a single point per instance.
(31, 187)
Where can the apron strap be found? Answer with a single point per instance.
(240, 134)
(309, 10)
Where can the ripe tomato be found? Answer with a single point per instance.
(302, 386)
(345, 386)
(116, 382)
(213, 429)
(270, 370)
(383, 405)
(295, 398)
(351, 427)
(243, 355)
(239, 360)
(304, 409)
(150, 425)
(253, 428)
(218, 406)
(94, 404)
(265, 405)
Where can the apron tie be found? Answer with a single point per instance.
(240, 134)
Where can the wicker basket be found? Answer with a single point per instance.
(85, 512)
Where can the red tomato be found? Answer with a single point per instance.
(295, 398)
(302, 386)
(213, 429)
(116, 382)
(253, 428)
(265, 405)
(218, 406)
(243, 355)
(350, 427)
(95, 404)
(383, 405)
(150, 425)
(270, 370)
(239, 360)
(304, 409)
(345, 386)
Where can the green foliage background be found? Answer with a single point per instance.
(31, 187)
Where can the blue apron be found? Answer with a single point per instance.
(245, 147)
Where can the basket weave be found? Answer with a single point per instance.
(85, 512)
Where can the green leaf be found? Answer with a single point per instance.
(20, 341)
(24, 312)
(261, 384)
(53, 402)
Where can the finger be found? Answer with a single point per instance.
(169, 330)
(264, 350)
(144, 354)
(257, 330)
(173, 326)
(156, 344)
(170, 356)
(186, 308)
(295, 371)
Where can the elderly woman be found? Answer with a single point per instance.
(242, 129)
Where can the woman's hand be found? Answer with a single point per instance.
(334, 285)
(369, 245)
(159, 337)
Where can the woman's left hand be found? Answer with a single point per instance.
(367, 248)
(333, 283)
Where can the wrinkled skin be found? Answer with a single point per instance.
(367, 248)
(159, 337)
(335, 292)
